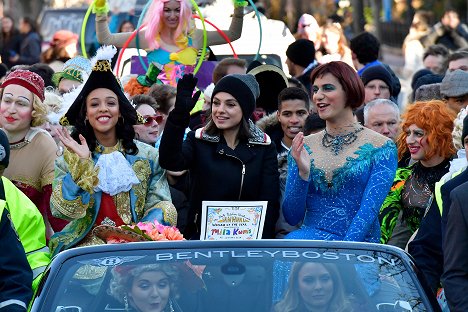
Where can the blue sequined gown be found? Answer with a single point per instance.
(345, 206)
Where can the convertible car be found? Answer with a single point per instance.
(260, 276)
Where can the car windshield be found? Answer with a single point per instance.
(234, 279)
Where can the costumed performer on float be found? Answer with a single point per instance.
(170, 37)
(104, 175)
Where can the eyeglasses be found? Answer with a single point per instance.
(149, 119)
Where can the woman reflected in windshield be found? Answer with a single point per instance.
(315, 287)
(145, 288)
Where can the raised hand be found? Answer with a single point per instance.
(301, 156)
(82, 150)
(185, 102)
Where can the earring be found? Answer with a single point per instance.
(86, 122)
(126, 302)
(123, 120)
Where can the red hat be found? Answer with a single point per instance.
(27, 79)
(63, 38)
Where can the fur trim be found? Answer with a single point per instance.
(268, 121)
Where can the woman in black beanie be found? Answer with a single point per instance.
(229, 159)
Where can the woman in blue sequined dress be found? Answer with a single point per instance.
(339, 177)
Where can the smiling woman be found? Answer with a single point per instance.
(228, 159)
(103, 167)
(21, 111)
(344, 158)
(170, 35)
(427, 137)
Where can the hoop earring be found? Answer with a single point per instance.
(86, 122)
(123, 120)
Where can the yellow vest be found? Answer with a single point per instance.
(29, 225)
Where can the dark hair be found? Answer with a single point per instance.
(366, 47)
(457, 55)
(162, 94)
(436, 50)
(294, 82)
(221, 68)
(45, 71)
(13, 31)
(141, 99)
(350, 82)
(293, 93)
(313, 124)
(124, 129)
(31, 22)
(123, 23)
(243, 134)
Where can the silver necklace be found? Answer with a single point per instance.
(336, 142)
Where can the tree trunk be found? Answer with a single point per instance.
(358, 16)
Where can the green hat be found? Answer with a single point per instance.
(151, 76)
(75, 69)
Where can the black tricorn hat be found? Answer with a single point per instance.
(101, 77)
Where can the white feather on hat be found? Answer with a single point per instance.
(105, 52)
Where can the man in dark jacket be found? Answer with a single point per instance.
(426, 248)
(15, 272)
(301, 61)
(455, 277)
(30, 48)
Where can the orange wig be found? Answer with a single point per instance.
(437, 122)
(133, 87)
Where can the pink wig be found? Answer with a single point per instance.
(154, 22)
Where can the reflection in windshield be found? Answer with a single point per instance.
(235, 280)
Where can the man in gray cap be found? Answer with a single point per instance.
(454, 88)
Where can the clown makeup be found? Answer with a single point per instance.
(16, 111)
(416, 141)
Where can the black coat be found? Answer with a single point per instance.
(455, 277)
(16, 274)
(426, 248)
(216, 171)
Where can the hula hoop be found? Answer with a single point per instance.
(124, 47)
(137, 41)
(260, 27)
(83, 29)
(222, 33)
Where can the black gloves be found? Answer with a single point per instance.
(185, 102)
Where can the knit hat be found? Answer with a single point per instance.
(426, 80)
(101, 77)
(244, 88)
(428, 92)
(377, 72)
(4, 150)
(455, 84)
(417, 75)
(301, 52)
(465, 130)
(76, 69)
(27, 79)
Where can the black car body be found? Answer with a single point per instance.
(236, 275)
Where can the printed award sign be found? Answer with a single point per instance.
(232, 220)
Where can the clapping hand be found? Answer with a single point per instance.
(82, 150)
(301, 156)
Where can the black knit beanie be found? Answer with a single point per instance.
(465, 130)
(4, 150)
(301, 52)
(377, 72)
(243, 87)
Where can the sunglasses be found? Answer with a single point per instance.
(149, 119)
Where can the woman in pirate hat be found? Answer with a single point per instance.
(104, 175)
